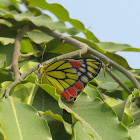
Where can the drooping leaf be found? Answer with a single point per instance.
(114, 47)
(6, 41)
(41, 20)
(27, 123)
(24, 92)
(59, 118)
(81, 132)
(118, 59)
(55, 46)
(62, 14)
(39, 37)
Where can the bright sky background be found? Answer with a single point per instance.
(110, 20)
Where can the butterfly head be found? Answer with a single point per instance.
(40, 72)
(40, 69)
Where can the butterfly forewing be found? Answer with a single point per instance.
(70, 76)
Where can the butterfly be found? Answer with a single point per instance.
(69, 76)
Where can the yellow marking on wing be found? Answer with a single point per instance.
(64, 66)
(70, 81)
(56, 74)
(97, 62)
(72, 70)
(92, 65)
(91, 70)
(54, 65)
(64, 84)
(45, 81)
(43, 68)
(91, 60)
(55, 83)
(72, 76)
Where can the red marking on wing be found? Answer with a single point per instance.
(72, 91)
(65, 95)
(76, 64)
(72, 100)
(78, 86)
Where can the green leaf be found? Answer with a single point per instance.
(28, 66)
(76, 23)
(6, 53)
(134, 132)
(80, 132)
(55, 46)
(62, 14)
(26, 46)
(90, 44)
(8, 3)
(123, 109)
(5, 76)
(6, 40)
(107, 82)
(27, 123)
(44, 102)
(4, 85)
(114, 47)
(51, 90)
(39, 37)
(24, 92)
(42, 20)
(118, 59)
(98, 118)
(59, 118)
(90, 36)
(91, 93)
(1, 136)
(3, 64)
(108, 85)
(31, 78)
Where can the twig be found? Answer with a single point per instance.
(16, 52)
(136, 76)
(8, 68)
(29, 54)
(114, 76)
(25, 74)
(79, 45)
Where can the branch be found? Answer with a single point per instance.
(80, 45)
(16, 52)
(25, 74)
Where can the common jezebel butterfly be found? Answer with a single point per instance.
(70, 76)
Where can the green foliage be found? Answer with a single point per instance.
(35, 111)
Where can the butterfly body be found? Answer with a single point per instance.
(70, 76)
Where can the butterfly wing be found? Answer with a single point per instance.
(70, 76)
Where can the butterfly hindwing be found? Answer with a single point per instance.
(70, 76)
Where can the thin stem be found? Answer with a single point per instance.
(29, 54)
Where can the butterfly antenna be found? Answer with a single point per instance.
(43, 53)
